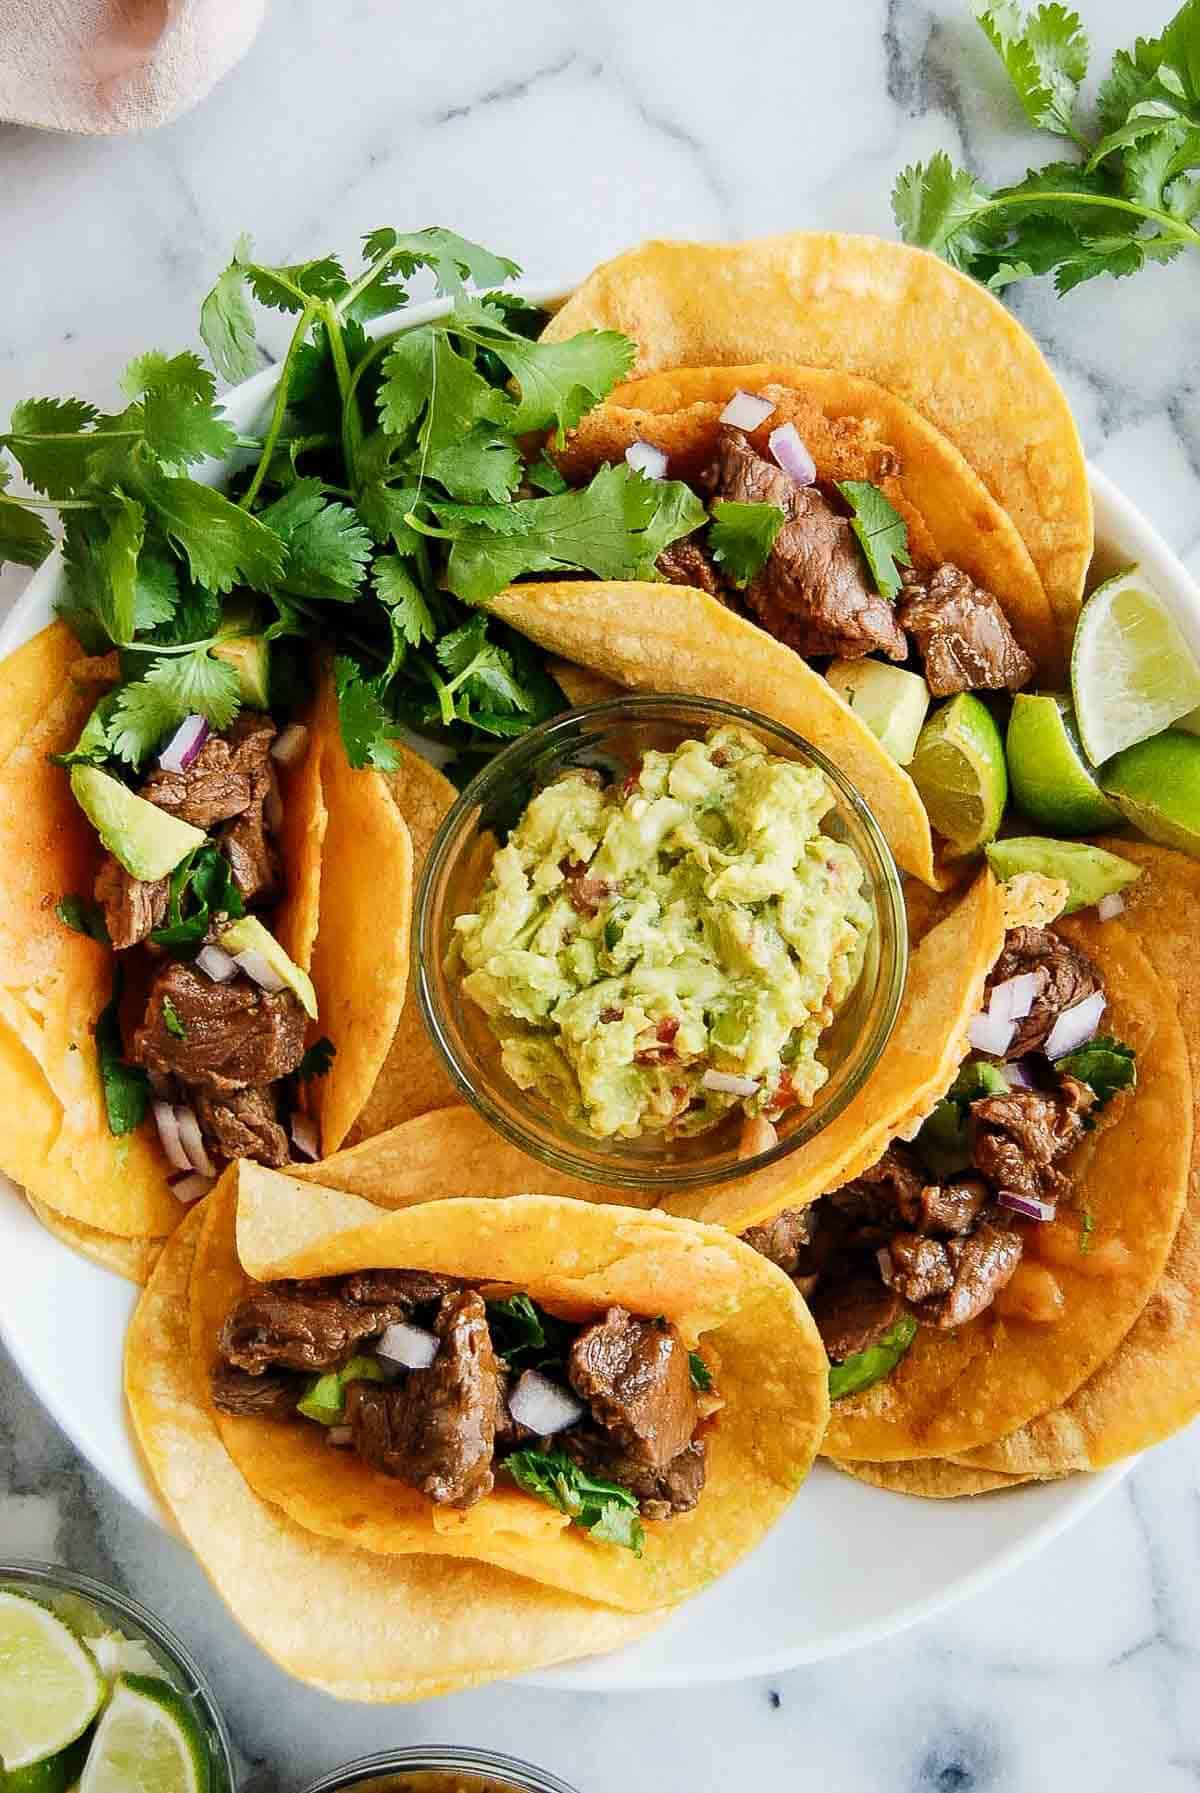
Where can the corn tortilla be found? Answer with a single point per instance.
(133, 1259)
(931, 1478)
(301, 845)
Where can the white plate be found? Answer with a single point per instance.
(848, 1565)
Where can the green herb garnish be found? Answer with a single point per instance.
(605, 1509)
(741, 536)
(525, 1335)
(171, 1021)
(317, 1060)
(84, 917)
(882, 534)
(126, 1087)
(873, 1364)
(700, 1373)
(324, 1399)
(202, 885)
(1105, 1065)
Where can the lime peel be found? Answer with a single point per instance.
(1132, 671)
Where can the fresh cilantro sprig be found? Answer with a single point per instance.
(882, 533)
(1106, 1065)
(605, 1509)
(1133, 198)
(741, 536)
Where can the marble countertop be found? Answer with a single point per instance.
(560, 133)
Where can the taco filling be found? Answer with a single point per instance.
(427, 1381)
(937, 1232)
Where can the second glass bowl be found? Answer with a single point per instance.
(612, 737)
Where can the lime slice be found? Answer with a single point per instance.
(1157, 786)
(959, 770)
(115, 1654)
(50, 1687)
(146, 1742)
(53, 1774)
(1052, 783)
(1090, 871)
(1132, 672)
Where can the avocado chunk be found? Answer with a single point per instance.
(890, 701)
(250, 657)
(1091, 872)
(148, 842)
(325, 1397)
(249, 935)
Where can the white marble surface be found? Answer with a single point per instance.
(558, 133)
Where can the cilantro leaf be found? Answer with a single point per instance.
(92, 747)
(202, 885)
(77, 913)
(545, 476)
(24, 538)
(484, 465)
(741, 536)
(452, 259)
(936, 206)
(699, 1372)
(1045, 56)
(368, 732)
(101, 549)
(286, 288)
(525, 1335)
(384, 509)
(425, 377)
(605, 1509)
(126, 1087)
(1106, 1065)
(558, 381)
(227, 322)
(873, 1364)
(184, 685)
(51, 439)
(406, 603)
(882, 533)
(328, 548)
(224, 545)
(171, 1020)
(180, 417)
(317, 1061)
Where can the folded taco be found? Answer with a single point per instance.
(609, 1402)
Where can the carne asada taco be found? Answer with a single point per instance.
(612, 1403)
(888, 313)
(360, 1627)
(988, 1268)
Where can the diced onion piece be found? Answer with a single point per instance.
(1013, 999)
(643, 457)
(728, 1084)
(289, 745)
(1019, 1075)
(258, 970)
(340, 1436)
(790, 452)
(305, 1137)
(191, 1187)
(758, 1135)
(167, 1122)
(746, 410)
(989, 1033)
(1110, 906)
(216, 963)
(184, 744)
(1075, 1026)
(192, 1141)
(410, 1346)
(1026, 1205)
(545, 1407)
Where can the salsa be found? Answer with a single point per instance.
(655, 952)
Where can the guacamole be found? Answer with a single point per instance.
(655, 952)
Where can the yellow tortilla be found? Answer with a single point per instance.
(579, 1258)
(670, 638)
(895, 315)
(133, 1259)
(953, 1392)
(1150, 1386)
(930, 1478)
(357, 1626)
(361, 956)
(581, 685)
(301, 845)
(854, 429)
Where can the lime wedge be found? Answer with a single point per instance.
(50, 1687)
(1157, 786)
(1132, 672)
(146, 1741)
(1090, 871)
(959, 770)
(1052, 782)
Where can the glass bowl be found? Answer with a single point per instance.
(612, 737)
(474, 1771)
(48, 1582)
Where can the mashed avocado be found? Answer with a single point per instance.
(637, 942)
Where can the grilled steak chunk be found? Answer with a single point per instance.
(687, 563)
(854, 1313)
(226, 1036)
(223, 779)
(916, 1267)
(436, 1428)
(660, 1493)
(1015, 1139)
(253, 856)
(1065, 976)
(982, 1264)
(309, 1325)
(888, 1194)
(951, 1207)
(635, 1376)
(405, 1289)
(813, 593)
(783, 1238)
(269, 1396)
(963, 635)
(133, 907)
(243, 1124)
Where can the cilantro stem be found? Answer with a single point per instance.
(352, 429)
(279, 409)
(1175, 226)
(67, 435)
(52, 504)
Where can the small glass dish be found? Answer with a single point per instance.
(439, 1768)
(612, 737)
(48, 1583)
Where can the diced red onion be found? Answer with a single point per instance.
(1075, 1026)
(191, 1187)
(167, 1122)
(258, 970)
(339, 1436)
(1026, 1205)
(410, 1346)
(643, 457)
(192, 1140)
(1019, 1075)
(989, 1033)
(184, 744)
(728, 1084)
(746, 410)
(1110, 906)
(544, 1406)
(273, 804)
(790, 452)
(216, 963)
(305, 1137)
(289, 745)
(1013, 999)
(758, 1135)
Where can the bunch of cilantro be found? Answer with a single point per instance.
(398, 483)
(1132, 197)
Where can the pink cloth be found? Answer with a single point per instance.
(100, 66)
